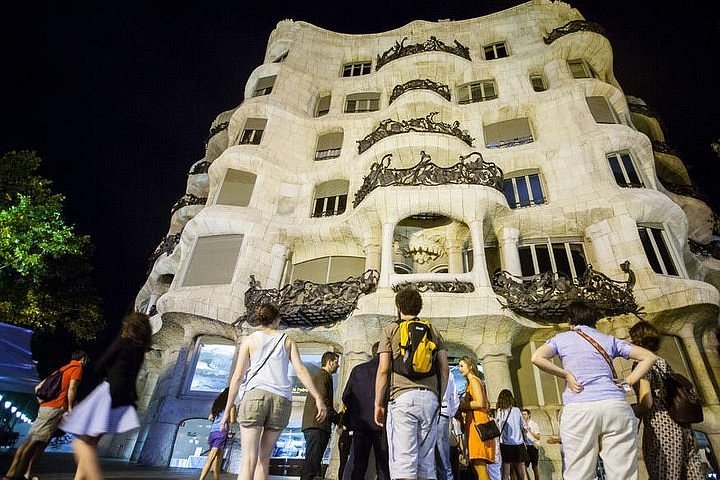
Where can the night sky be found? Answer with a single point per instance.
(118, 97)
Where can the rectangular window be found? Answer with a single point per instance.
(329, 146)
(281, 58)
(495, 51)
(328, 206)
(362, 102)
(213, 260)
(253, 131)
(508, 133)
(538, 83)
(564, 258)
(601, 110)
(323, 106)
(524, 191)
(213, 363)
(623, 170)
(264, 86)
(237, 188)
(477, 92)
(580, 69)
(356, 69)
(655, 243)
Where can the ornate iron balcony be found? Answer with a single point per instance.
(305, 304)
(711, 249)
(418, 84)
(545, 296)
(685, 190)
(425, 172)
(187, 199)
(400, 50)
(200, 168)
(215, 130)
(455, 286)
(572, 27)
(167, 245)
(664, 147)
(427, 124)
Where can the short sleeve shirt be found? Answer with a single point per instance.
(72, 371)
(399, 384)
(588, 366)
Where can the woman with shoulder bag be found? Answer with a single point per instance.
(668, 447)
(475, 408)
(512, 440)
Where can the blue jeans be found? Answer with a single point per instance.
(316, 442)
(443, 465)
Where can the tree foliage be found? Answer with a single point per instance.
(45, 276)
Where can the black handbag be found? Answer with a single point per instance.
(488, 430)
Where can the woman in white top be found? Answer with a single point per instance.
(266, 400)
(512, 442)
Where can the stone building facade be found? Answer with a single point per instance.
(494, 163)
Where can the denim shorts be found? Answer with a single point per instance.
(259, 408)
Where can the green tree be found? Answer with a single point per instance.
(45, 276)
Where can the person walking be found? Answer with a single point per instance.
(532, 437)
(475, 407)
(413, 408)
(512, 438)
(266, 403)
(50, 414)
(317, 433)
(448, 409)
(110, 407)
(217, 439)
(668, 448)
(358, 397)
(596, 418)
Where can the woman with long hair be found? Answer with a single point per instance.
(110, 407)
(668, 447)
(512, 440)
(475, 408)
(218, 438)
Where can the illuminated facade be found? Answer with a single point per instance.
(494, 163)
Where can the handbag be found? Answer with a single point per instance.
(683, 405)
(488, 430)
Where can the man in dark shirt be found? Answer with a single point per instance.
(317, 434)
(359, 398)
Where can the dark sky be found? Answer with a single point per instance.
(118, 97)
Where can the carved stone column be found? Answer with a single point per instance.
(509, 254)
(387, 268)
(698, 366)
(478, 243)
(454, 253)
(279, 258)
(373, 256)
(494, 360)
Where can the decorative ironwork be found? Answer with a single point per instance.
(685, 190)
(572, 27)
(513, 142)
(663, 147)
(544, 297)
(432, 44)
(187, 199)
(167, 245)
(455, 286)
(426, 124)
(421, 84)
(425, 172)
(711, 249)
(200, 168)
(215, 130)
(305, 304)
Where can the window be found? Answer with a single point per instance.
(327, 269)
(508, 133)
(330, 198)
(564, 258)
(329, 146)
(524, 190)
(281, 58)
(362, 102)
(624, 170)
(253, 131)
(538, 83)
(213, 260)
(264, 86)
(601, 110)
(356, 69)
(323, 106)
(213, 362)
(477, 92)
(495, 51)
(655, 243)
(237, 188)
(580, 69)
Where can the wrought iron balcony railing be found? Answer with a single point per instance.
(305, 304)
(432, 44)
(544, 297)
(664, 147)
(200, 168)
(455, 286)
(685, 190)
(215, 130)
(187, 199)
(711, 249)
(167, 245)
(427, 124)
(572, 27)
(418, 84)
(425, 172)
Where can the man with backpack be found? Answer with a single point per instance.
(413, 361)
(49, 415)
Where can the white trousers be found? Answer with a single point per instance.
(607, 428)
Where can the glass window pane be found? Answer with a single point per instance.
(501, 50)
(649, 250)
(522, 189)
(490, 90)
(341, 203)
(664, 251)
(562, 263)
(616, 170)
(509, 192)
(536, 187)
(578, 259)
(630, 170)
(212, 368)
(319, 203)
(543, 258)
(526, 263)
